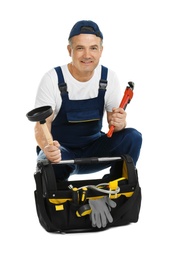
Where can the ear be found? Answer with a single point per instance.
(69, 50)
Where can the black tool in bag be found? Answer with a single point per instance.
(64, 206)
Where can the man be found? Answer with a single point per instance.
(79, 93)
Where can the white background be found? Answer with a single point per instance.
(33, 40)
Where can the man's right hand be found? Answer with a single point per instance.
(53, 152)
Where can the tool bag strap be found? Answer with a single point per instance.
(48, 175)
(131, 169)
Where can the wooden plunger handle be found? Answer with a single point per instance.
(47, 133)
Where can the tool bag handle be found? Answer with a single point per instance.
(89, 160)
(49, 175)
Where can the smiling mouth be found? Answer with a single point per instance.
(86, 62)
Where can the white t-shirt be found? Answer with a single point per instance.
(48, 93)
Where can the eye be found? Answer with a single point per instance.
(79, 48)
(94, 48)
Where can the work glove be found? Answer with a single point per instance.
(100, 214)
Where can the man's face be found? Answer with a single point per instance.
(85, 51)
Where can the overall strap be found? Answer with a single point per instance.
(61, 82)
(63, 86)
(103, 80)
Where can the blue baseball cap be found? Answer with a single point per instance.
(85, 27)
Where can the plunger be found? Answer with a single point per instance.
(39, 115)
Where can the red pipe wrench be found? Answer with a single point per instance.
(128, 94)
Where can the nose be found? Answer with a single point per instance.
(86, 53)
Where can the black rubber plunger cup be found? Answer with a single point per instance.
(39, 115)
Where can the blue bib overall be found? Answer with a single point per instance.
(79, 122)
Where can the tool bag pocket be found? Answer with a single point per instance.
(63, 206)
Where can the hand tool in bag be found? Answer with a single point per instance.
(128, 94)
(84, 208)
(98, 209)
(75, 195)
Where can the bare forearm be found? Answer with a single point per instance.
(40, 136)
(52, 151)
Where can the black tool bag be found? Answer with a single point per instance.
(63, 206)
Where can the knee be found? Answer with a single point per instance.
(134, 141)
(135, 136)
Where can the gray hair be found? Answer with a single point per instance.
(70, 42)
